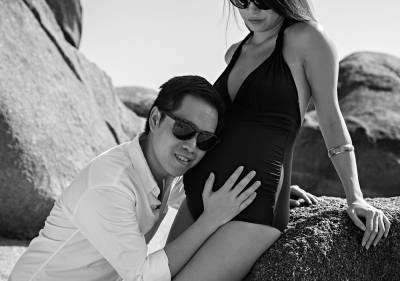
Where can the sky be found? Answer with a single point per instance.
(144, 43)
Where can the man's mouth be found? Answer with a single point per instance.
(183, 159)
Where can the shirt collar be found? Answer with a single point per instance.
(140, 164)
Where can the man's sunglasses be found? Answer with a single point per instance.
(185, 130)
(243, 4)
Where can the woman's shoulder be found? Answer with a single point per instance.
(231, 50)
(304, 37)
(304, 31)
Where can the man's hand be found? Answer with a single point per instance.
(224, 204)
(376, 223)
(302, 197)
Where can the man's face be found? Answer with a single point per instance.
(173, 156)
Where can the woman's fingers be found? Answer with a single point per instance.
(232, 179)
(314, 199)
(387, 225)
(356, 219)
(369, 224)
(303, 195)
(374, 230)
(381, 230)
(243, 183)
(294, 203)
(376, 223)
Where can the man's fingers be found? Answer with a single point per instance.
(232, 179)
(248, 192)
(243, 183)
(247, 202)
(208, 185)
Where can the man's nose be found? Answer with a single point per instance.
(190, 144)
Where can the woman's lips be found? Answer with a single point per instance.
(255, 21)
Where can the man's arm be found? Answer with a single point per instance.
(107, 217)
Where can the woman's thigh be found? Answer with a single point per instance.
(229, 253)
(182, 221)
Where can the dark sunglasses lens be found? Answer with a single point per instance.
(241, 4)
(206, 141)
(262, 4)
(182, 130)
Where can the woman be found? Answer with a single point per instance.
(284, 62)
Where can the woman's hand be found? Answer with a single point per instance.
(224, 204)
(301, 196)
(376, 223)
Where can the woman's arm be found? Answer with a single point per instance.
(320, 63)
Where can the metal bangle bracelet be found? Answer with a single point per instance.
(340, 149)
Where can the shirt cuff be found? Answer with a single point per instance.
(158, 269)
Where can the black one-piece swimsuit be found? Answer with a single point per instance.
(259, 131)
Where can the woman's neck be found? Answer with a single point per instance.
(260, 37)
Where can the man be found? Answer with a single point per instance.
(100, 226)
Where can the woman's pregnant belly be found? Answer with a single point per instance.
(256, 145)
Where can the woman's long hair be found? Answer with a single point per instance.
(295, 10)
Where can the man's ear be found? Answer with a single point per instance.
(155, 118)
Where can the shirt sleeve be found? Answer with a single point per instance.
(107, 217)
(177, 193)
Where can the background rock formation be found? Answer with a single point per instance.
(138, 99)
(322, 244)
(57, 111)
(369, 97)
(68, 14)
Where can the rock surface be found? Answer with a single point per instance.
(57, 111)
(68, 14)
(138, 99)
(322, 244)
(369, 97)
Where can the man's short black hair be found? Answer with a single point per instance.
(174, 90)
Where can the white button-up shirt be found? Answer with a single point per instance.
(100, 226)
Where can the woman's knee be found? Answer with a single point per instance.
(262, 235)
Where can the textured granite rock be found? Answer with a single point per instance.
(321, 243)
(137, 99)
(57, 111)
(369, 97)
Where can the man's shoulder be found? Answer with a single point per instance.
(110, 167)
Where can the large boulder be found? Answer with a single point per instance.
(57, 112)
(322, 244)
(369, 97)
(68, 14)
(138, 99)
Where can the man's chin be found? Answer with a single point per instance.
(179, 171)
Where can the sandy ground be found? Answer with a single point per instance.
(10, 250)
